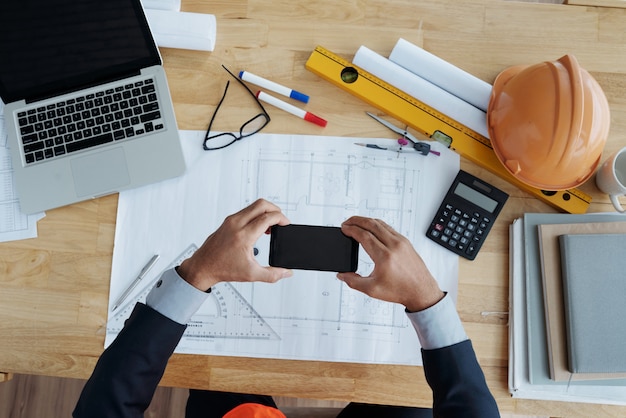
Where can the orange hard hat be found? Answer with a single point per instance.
(548, 123)
(254, 410)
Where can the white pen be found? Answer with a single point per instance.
(272, 86)
(135, 282)
(289, 108)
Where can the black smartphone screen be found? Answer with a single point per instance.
(305, 247)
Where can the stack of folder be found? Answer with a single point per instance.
(567, 338)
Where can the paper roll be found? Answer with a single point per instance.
(421, 89)
(172, 5)
(442, 74)
(182, 30)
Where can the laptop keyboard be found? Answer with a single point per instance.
(80, 123)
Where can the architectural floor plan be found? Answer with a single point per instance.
(315, 181)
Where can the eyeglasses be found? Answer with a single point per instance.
(249, 128)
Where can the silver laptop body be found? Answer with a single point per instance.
(80, 133)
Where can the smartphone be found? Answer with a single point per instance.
(305, 247)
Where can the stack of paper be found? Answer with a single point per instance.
(14, 224)
(538, 357)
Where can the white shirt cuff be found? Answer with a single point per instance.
(438, 326)
(174, 298)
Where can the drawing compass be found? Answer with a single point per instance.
(406, 137)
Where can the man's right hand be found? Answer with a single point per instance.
(399, 274)
(227, 255)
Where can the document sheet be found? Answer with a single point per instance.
(316, 181)
(14, 224)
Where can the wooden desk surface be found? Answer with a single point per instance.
(54, 289)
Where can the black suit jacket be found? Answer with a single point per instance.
(128, 372)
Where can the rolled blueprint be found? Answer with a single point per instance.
(172, 5)
(182, 30)
(441, 73)
(421, 89)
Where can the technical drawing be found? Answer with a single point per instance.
(316, 181)
(302, 183)
(341, 183)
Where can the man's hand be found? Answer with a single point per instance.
(399, 273)
(227, 254)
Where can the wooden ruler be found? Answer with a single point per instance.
(431, 123)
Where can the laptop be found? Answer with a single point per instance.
(87, 107)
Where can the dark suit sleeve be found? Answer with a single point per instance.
(129, 370)
(458, 383)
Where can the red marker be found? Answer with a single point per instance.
(302, 114)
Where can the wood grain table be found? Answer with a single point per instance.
(54, 289)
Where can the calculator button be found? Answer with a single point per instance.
(451, 225)
(444, 238)
(452, 243)
(438, 227)
(455, 218)
(467, 234)
(471, 249)
(471, 227)
(464, 241)
(463, 222)
(435, 233)
(447, 232)
(456, 236)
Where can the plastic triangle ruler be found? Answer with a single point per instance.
(431, 123)
(225, 314)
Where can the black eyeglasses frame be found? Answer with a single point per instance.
(264, 114)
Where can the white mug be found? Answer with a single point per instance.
(611, 177)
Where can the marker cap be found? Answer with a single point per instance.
(315, 119)
(299, 96)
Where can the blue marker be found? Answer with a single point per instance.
(275, 87)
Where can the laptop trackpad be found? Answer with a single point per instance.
(99, 173)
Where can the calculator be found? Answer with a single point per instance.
(466, 215)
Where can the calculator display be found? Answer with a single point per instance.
(475, 197)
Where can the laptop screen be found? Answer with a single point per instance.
(49, 47)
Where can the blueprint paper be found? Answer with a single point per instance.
(316, 181)
(14, 224)
(441, 73)
(184, 30)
